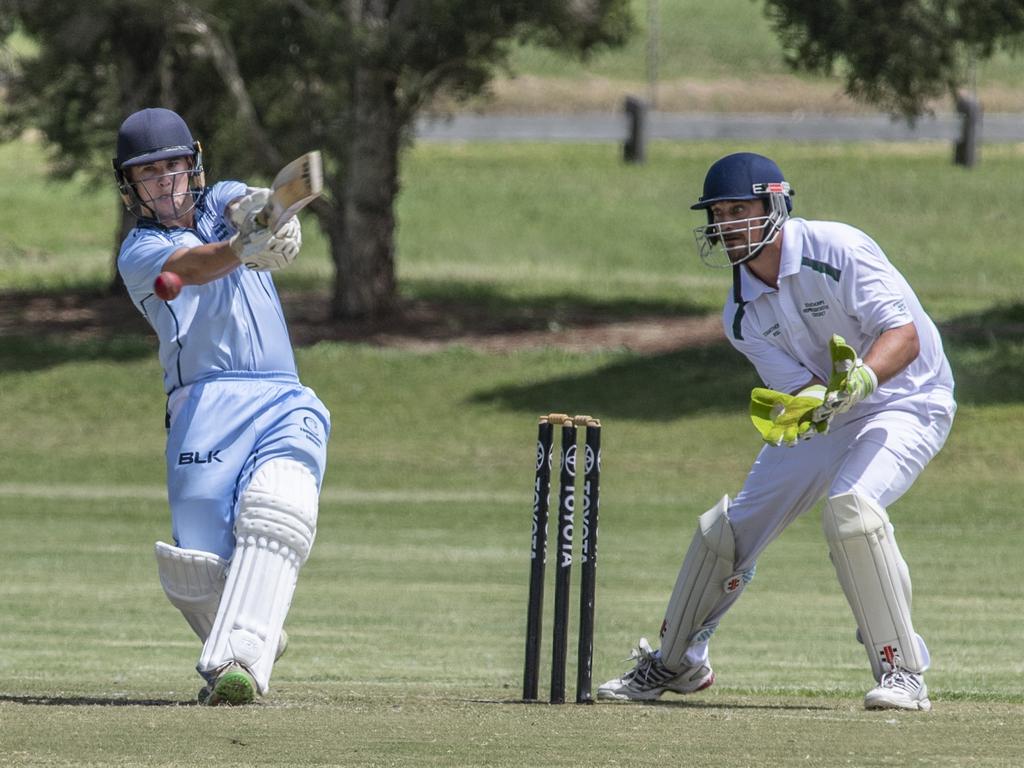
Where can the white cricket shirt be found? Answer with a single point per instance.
(833, 278)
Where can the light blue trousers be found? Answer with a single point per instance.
(222, 430)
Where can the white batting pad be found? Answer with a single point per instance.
(274, 532)
(876, 582)
(707, 577)
(193, 581)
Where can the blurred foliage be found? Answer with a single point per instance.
(896, 54)
(98, 62)
(260, 81)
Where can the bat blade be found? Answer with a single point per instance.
(296, 185)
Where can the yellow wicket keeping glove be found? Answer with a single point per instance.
(851, 379)
(783, 419)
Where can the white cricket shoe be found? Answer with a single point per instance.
(649, 678)
(282, 645)
(899, 689)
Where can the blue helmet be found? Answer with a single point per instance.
(742, 176)
(150, 135)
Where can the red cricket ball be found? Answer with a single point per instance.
(167, 286)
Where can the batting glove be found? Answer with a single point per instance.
(783, 419)
(264, 251)
(241, 212)
(851, 379)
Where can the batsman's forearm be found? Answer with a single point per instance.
(203, 263)
(893, 351)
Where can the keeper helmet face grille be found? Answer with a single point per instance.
(733, 236)
(737, 230)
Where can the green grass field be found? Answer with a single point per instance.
(407, 627)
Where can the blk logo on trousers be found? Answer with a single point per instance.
(195, 457)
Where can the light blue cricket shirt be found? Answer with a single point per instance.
(234, 324)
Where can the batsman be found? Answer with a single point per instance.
(246, 441)
(857, 399)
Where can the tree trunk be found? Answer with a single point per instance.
(365, 283)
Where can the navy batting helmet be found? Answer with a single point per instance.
(150, 135)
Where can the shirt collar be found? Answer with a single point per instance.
(750, 286)
(789, 262)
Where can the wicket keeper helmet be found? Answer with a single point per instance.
(742, 176)
(150, 135)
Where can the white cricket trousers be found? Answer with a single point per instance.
(877, 455)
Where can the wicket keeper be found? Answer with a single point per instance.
(857, 399)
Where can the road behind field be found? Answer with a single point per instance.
(603, 126)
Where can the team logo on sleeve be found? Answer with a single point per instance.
(312, 430)
(221, 231)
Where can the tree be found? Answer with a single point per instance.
(94, 63)
(99, 62)
(405, 53)
(263, 80)
(896, 54)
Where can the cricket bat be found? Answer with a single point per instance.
(296, 185)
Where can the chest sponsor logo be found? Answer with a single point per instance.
(816, 308)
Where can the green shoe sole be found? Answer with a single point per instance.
(235, 687)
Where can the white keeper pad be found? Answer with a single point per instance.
(274, 532)
(873, 576)
(193, 581)
(707, 576)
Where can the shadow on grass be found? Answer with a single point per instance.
(986, 352)
(24, 353)
(710, 379)
(495, 301)
(671, 704)
(39, 330)
(474, 315)
(92, 701)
